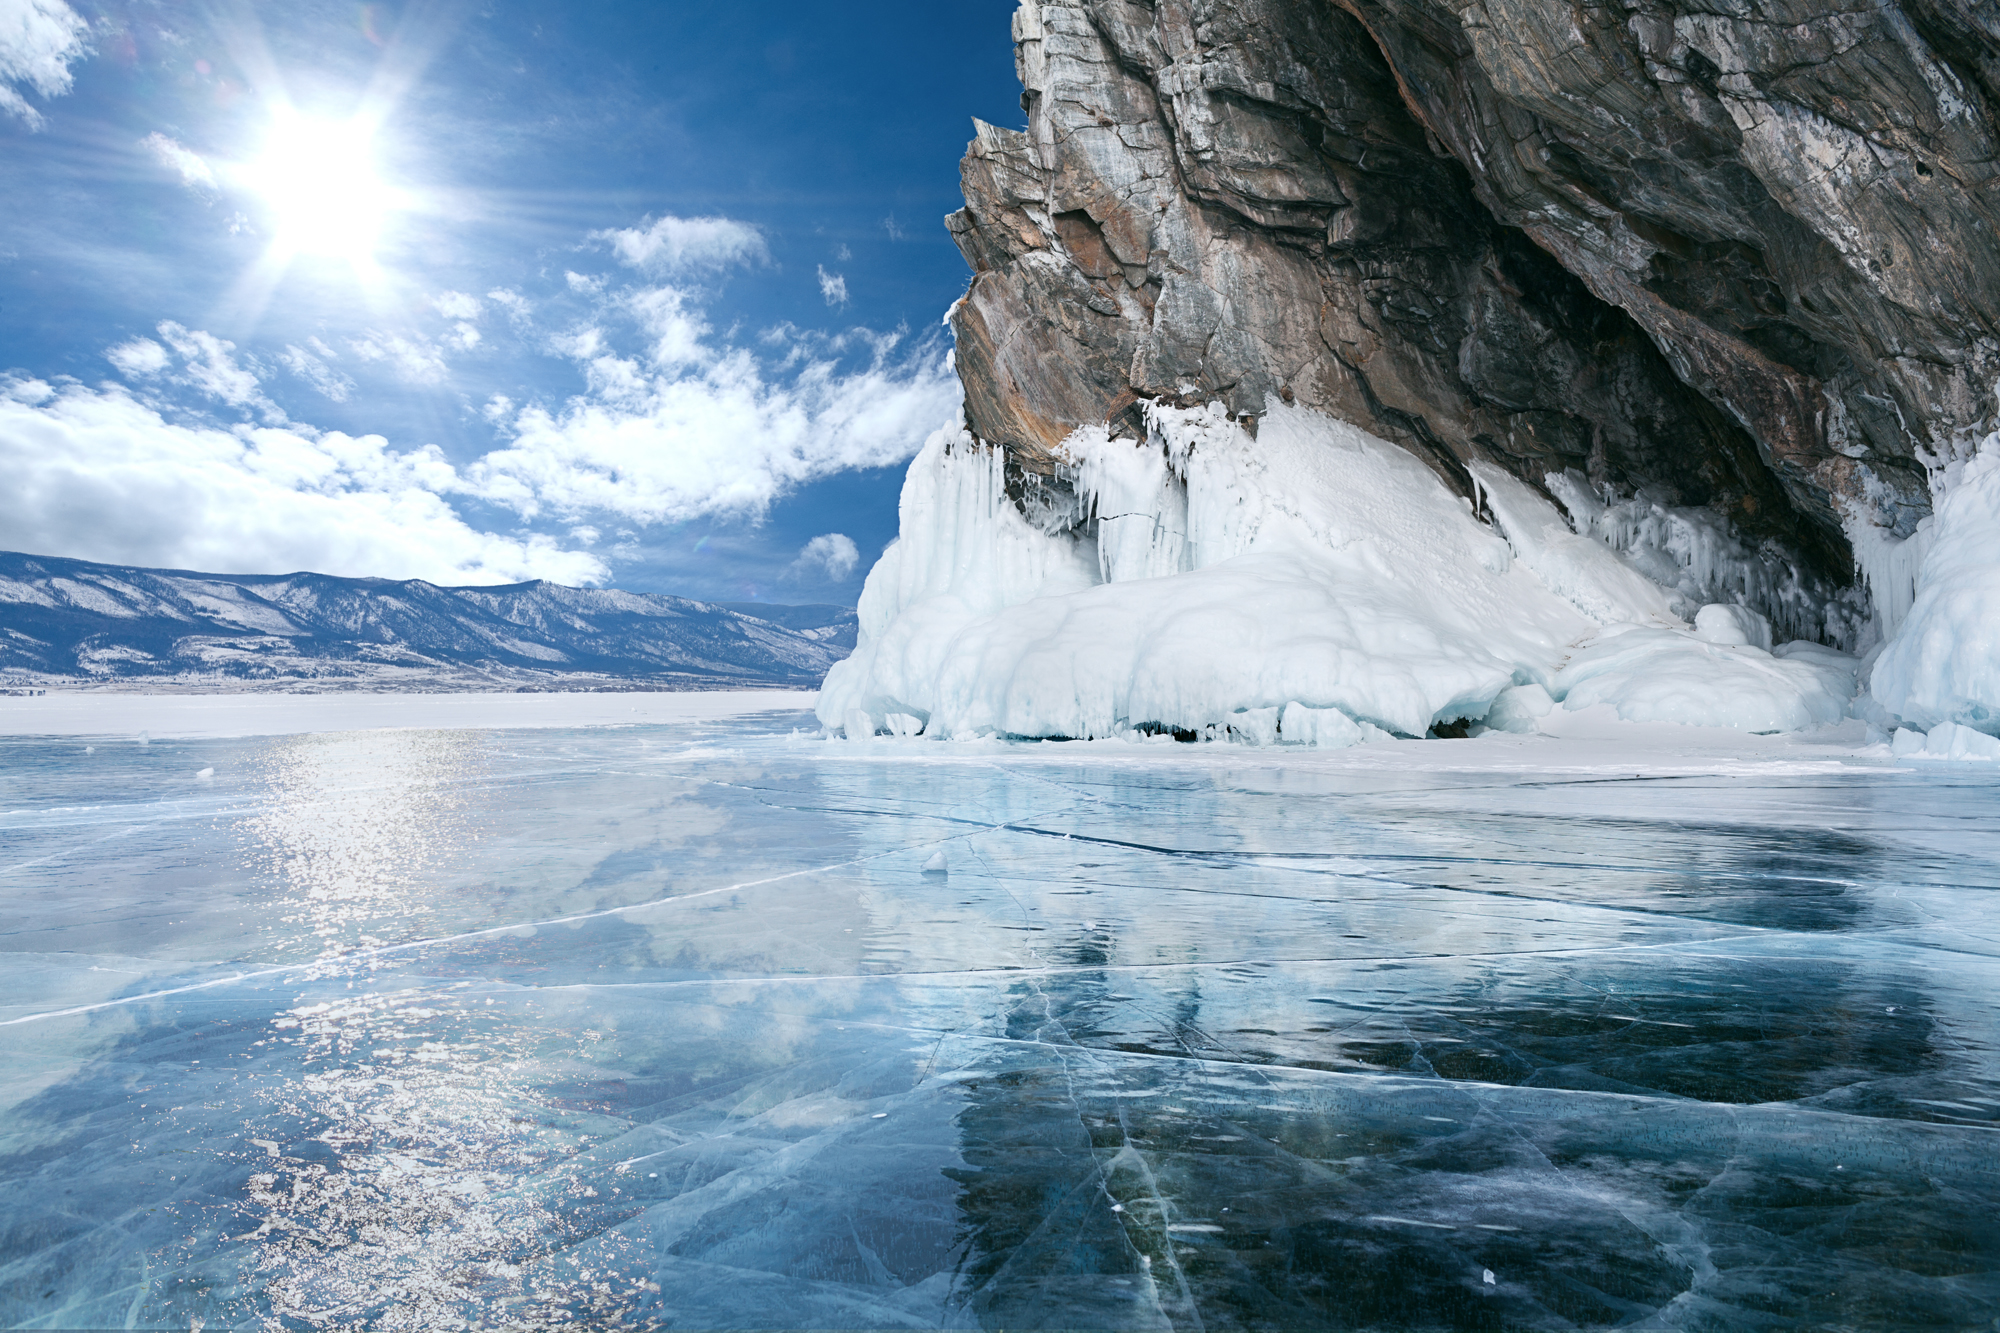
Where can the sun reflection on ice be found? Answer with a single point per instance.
(411, 1174)
(414, 1180)
(358, 830)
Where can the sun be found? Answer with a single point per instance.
(319, 178)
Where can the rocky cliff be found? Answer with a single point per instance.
(1731, 257)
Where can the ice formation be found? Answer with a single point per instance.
(1310, 583)
(1943, 665)
(1947, 740)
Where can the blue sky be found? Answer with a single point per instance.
(646, 295)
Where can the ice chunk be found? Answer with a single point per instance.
(936, 865)
(1947, 740)
(1255, 726)
(1519, 708)
(1725, 623)
(1665, 676)
(1943, 665)
(1328, 728)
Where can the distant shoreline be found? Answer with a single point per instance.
(132, 716)
(306, 685)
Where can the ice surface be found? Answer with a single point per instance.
(1220, 580)
(1943, 665)
(665, 1026)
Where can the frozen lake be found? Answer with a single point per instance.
(667, 1025)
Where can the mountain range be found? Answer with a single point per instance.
(73, 622)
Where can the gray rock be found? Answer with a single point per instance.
(1729, 255)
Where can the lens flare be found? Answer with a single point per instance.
(319, 178)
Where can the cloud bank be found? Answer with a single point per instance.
(191, 463)
(99, 475)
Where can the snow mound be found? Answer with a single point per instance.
(1309, 584)
(1719, 622)
(1650, 675)
(1943, 665)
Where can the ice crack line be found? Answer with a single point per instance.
(384, 951)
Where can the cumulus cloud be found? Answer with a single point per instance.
(691, 428)
(672, 245)
(832, 555)
(189, 165)
(140, 358)
(99, 475)
(833, 286)
(39, 41)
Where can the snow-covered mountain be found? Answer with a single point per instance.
(77, 621)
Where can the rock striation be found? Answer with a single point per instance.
(1730, 257)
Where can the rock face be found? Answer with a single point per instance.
(1735, 256)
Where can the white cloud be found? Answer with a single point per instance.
(39, 40)
(102, 476)
(519, 309)
(456, 305)
(833, 286)
(311, 366)
(676, 330)
(194, 172)
(139, 359)
(414, 361)
(209, 366)
(691, 428)
(673, 245)
(833, 555)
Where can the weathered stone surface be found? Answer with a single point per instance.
(1738, 254)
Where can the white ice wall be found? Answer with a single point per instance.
(1943, 663)
(1230, 582)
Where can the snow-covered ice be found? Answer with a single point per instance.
(665, 1024)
